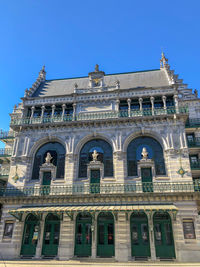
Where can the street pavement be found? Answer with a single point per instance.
(89, 263)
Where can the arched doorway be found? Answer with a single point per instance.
(140, 245)
(164, 241)
(51, 235)
(30, 235)
(105, 235)
(83, 236)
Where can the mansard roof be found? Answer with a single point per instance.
(148, 78)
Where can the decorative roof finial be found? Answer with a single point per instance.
(42, 74)
(96, 68)
(163, 61)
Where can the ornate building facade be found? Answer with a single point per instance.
(103, 166)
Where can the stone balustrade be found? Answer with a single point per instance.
(108, 188)
(99, 115)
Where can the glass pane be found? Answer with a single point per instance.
(158, 235)
(110, 234)
(88, 234)
(27, 234)
(135, 234)
(56, 234)
(47, 234)
(168, 233)
(101, 234)
(79, 236)
(144, 233)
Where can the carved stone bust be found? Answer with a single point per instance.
(144, 153)
(48, 158)
(94, 155)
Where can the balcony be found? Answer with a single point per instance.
(112, 188)
(195, 165)
(4, 173)
(99, 116)
(5, 152)
(194, 143)
(5, 135)
(193, 123)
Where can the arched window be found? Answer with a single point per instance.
(57, 152)
(104, 150)
(155, 152)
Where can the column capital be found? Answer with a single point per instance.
(140, 99)
(129, 100)
(63, 105)
(43, 107)
(33, 107)
(53, 106)
(164, 97)
(152, 98)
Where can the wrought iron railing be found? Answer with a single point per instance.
(193, 123)
(157, 187)
(6, 134)
(98, 115)
(194, 143)
(4, 173)
(195, 165)
(5, 152)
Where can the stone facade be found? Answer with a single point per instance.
(116, 109)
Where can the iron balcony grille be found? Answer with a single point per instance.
(191, 123)
(5, 152)
(195, 165)
(99, 115)
(194, 143)
(6, 135)
(114, 188)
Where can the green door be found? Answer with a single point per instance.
(30, 236)
(83, 237)
(51, 236)
(140, 245)
(95, 181)
(164, 241)
(147, 185)
(46, 181)
(105, 235)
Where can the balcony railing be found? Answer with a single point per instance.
(98, 116)
(4, 173)
(194, 143)
(195, 165)
(114, 188)
(5, 152)
(6, 135)
(192, 123)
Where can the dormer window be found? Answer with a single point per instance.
(96, 78)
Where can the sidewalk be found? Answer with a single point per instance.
(85, 263)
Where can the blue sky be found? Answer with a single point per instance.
(70, 37)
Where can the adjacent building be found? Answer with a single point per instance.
(105, 165)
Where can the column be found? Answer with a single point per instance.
(94, 236)
(176, 103)
(151, 235)
(164, 103)
(152, 104)
(40, 239)
(32, 111)
(63, 110)
(53, 110)
(129, 106)
(122, 237)
(140, 102)
(74, 111)
(42, 113)
(117, 106)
